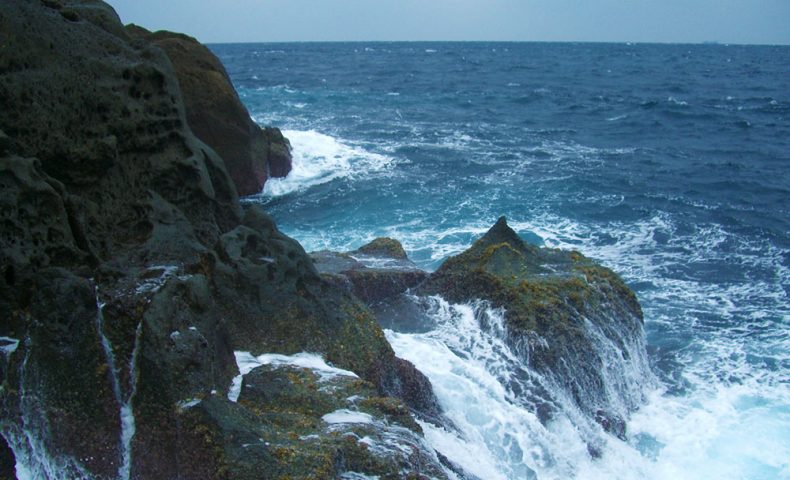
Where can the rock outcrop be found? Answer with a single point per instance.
(216, 115)
(130, 274)
(571, 320)
(375, 272)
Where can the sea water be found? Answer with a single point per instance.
(668, 163)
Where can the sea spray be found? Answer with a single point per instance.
(498, 403)
(28, 439)
(321, 159)
(124, 399)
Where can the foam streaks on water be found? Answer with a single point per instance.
(666, 163)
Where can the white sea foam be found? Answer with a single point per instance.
(675, 101)
(152, 284)
(246, 362)
(187, 404)
(357, 476)
(473, 371)
(347, 416)
(320, 158)
(8, 345)
(732, 421)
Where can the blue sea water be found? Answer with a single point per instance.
(670, 164)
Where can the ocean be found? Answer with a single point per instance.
(670, 164)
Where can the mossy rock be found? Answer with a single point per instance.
(549, 296)
(281, 428)
(383, 247)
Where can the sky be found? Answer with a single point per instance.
(664, 21)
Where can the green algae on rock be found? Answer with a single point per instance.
(557, 304)
(382, 247)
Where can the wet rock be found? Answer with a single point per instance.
(7, 461)
(611, 423)
(130, 273)
(375, 272)
(570, 319)
(5, 143)
(415, 389)
(217, 116)
(293, 422)
(382, 247)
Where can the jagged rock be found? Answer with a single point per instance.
(375, 272)
(564, 313)
(129, 271)
(217, 116)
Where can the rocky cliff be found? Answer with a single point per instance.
(134, 287)
(216, 115)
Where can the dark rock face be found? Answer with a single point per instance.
(378, 273)
(7, 461)
(570, 319)
(217, 116)
(129, 273)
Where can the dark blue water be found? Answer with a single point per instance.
(668, 163)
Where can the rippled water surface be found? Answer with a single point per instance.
(668, 163)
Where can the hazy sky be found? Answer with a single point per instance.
(726, 21)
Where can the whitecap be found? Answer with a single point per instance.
(319, 158)
(676, 101)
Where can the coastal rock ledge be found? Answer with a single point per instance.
(153, 328)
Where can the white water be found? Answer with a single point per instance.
(345, 415)
(124, 399)
(473, 372)
(27, 441)
(319, 159)
(9, 346)
(246, 362)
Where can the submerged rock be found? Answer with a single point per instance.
(129, 272)
(571, 320)
(217, 116)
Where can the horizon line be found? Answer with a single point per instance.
(599, 42)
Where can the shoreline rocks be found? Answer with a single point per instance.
(571, 320)
(130, 273)
(374, 273)
(216, 115)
